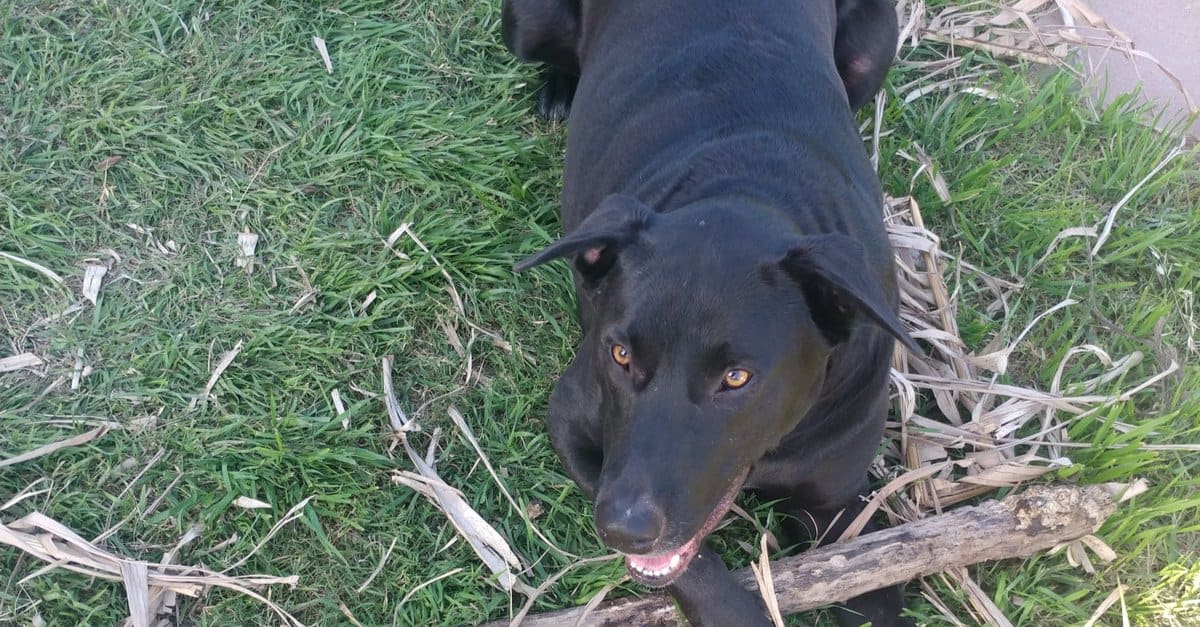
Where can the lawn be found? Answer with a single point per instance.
(145, 137)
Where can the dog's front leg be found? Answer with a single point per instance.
(709, 595)
(546, 31)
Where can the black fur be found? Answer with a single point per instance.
(721, 214)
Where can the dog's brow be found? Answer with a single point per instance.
(719, 357)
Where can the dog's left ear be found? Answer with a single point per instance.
(615, 223)
(832, 272)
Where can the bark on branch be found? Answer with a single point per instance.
(1037, 519)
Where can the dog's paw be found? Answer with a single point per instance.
(556, 95)
(880, 608)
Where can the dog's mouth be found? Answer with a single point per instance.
(660, 569)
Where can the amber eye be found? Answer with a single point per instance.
(620, 354)
(736, 378)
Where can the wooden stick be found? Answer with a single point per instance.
(1037, 519)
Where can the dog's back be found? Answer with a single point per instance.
(681, 100)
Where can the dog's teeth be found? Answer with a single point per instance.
(661, 571)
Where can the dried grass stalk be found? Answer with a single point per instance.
(33, 265)
(226, 360)
(41, 451)
(324, 52)
(46, 539)
(488, 544)
(20, 362)
(93, 276)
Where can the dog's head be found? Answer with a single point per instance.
(709, 334)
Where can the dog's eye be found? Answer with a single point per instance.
(620, 354)
(735, 379)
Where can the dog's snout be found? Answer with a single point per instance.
(628, 523)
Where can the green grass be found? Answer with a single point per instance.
(224, 120)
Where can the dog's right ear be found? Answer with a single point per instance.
(617, 222)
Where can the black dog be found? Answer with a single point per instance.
(736, 286)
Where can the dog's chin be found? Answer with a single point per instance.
(661, 569)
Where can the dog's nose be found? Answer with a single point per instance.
(628, 523)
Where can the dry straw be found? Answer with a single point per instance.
(148, 586)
